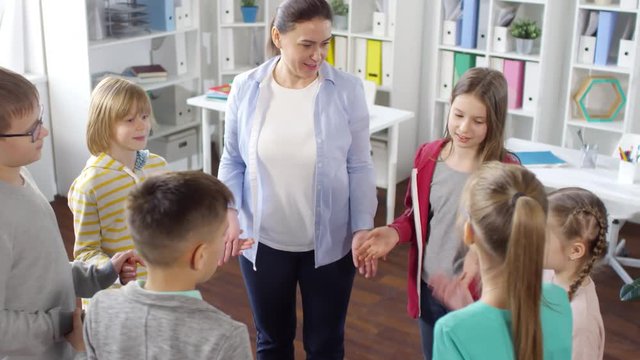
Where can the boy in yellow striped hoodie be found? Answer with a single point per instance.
(120, 119)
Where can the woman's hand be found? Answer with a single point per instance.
(378, 243)
(368, 268)
(233, 245)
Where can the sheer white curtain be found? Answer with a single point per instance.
(21, 36)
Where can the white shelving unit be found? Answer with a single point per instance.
(605, 134)
(402, 92)
(400, 85)
(72, 59)
(538, 119)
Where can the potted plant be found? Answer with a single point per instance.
(249, 10)
(525, 32)
(340, 12)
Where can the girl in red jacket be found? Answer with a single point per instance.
(474, 134)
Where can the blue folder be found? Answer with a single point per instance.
(469, 24)
(162, 15)
(539, 158)
(604, 36)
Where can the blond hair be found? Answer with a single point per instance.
(112, 100)
(18, 97)
(581, 214)
(508, 205)
(489, 87)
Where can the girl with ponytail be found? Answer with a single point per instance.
(576, 240)
(517, 317)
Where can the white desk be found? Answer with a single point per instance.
(622, 200)
(382, 117)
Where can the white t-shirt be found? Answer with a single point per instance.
(287, 153)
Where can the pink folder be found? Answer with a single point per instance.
(514, 73)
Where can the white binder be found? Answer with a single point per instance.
(387, 63)
(391, 19)
(187, 16)
(531, 85)
(379, 24)
(483, 24)
(497, 64)
(446, 75)
(626, 53)
(226, 11)
(501, 41)
(482, 61)
(340, 53)
(587, 49)
(449, 32)
(360, 58)
(181, 53)
(226, 49)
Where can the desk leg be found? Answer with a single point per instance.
(392, 167)
(206, 141)
(612, 260)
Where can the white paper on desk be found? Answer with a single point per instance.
(451, 9)
(592, 24)
(506, 15)
(627, 34)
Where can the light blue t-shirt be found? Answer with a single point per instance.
(481, 331)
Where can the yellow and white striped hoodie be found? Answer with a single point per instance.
(97, 200)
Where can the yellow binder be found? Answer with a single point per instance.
(374, 61)
(330, 53)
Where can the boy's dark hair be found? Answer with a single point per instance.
(165, 209)
(18, 97)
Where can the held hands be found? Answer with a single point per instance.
(368, 268)
(75, 336)
(233, 244)
(378, 244)
(125, 264)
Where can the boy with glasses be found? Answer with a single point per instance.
(38, 287)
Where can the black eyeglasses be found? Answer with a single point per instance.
(34, 131)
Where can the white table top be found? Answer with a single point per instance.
(622, 200)
(382, 117)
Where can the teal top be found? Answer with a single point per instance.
(190, 293)
(480, 331)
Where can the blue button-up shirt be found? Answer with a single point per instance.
(344, 184)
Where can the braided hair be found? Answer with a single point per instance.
(580, 213)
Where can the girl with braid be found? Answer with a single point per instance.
(576, 240)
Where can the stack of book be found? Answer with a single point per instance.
(147, 73)
(220, 92)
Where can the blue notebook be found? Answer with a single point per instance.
(539, 158)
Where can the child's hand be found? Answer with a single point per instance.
(126, 263)
(470, 276)
(368, 268)
(453, 293)
(378, 244)
(75, 336)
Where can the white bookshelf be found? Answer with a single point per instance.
(605, 134)
(538, 120)
(403, 91)
(72, 59)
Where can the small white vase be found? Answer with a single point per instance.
(524, 46)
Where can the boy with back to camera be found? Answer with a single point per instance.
(177, 221)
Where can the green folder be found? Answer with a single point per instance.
(462, 62)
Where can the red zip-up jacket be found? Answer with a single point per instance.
(425, 164)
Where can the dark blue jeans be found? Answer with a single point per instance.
(430, 311)
(325, 293)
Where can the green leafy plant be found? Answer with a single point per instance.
(525, 29)
(339, 7)
(248, 3)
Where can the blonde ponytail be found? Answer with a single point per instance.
(523, 266)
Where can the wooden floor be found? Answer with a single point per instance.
(377, 324)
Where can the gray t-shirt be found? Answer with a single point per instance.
(134, 323)
(445, 249)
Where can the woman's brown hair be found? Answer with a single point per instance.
(291, 12)
(507, 206)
